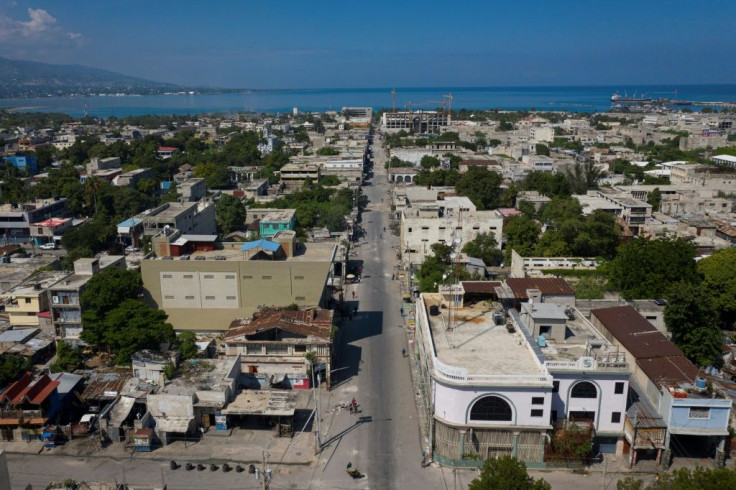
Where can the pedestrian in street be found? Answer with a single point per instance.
(424, 458)
(353, 294)
(401, 310)
(403, 352)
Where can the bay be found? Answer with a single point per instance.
(571, 99)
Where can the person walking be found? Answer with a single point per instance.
(403, 352)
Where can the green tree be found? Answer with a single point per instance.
(214, 174)
(187, 341)
(96, 235)
(541, 149)
(506, 473)
(67, 358)
(481, 186)
(655, 198)
(583, 176)
(644, 268)
(229, 214)
(547, 184)
(103, 293)
(327, 151)
(134, 326)
(698, 478)
(719, 280)
(522, 235)
(429, 162)
(693, 322)
(485, 247)
(11, 368)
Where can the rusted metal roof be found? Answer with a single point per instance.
(483, 287)
(314, 323)
(635, 333)
(672, 370)
(545, 285)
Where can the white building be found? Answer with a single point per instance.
(491, 388)
(450, 220)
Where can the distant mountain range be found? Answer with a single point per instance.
(33, 79)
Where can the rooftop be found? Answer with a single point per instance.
(38, 284)
(306, 252)
(268, 403)
(546, 285)
(279, 216)
(477, 344)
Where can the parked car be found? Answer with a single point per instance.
(131, 248)
(48, 246)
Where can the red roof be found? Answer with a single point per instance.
(51, 222)
(545, 285)
(22, 390)
(314, 323)
(168, 148)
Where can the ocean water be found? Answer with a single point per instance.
(572, 99)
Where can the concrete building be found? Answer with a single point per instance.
(29, 300)
(450, 220)
(689, 418)
(635, 214)
(727, 160)
(207, 291)
(196, 218)
(50, 230)
(276, 221)
(64, 295)
(491, 388)
(131, 179)
(273, 343)
(294, 175)
(536, 266)
(27, 164)
(16, 220)
(192, 190)
(402, 175)
(97, 164)
(703, 175)
(416, 121)
(194, 399)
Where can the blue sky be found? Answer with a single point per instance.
(400, 43)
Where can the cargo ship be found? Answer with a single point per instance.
(623, 99)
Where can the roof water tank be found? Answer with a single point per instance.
(434, 310)
(700, 383)
(541, 341)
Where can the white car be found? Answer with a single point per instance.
(47, 246)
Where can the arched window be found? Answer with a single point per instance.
(491, 408)
(584, 389)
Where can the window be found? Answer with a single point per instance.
(188, 297)
(266, 278)
(615, 417)
(491, 408)
(555, 387)
(300, 348)
(298, 278)
(167, 276)
(409, 229)
(545, 331)
(28, 300)
(425, 227)
(230, 276)
(553, 416)
(300, 298)
(537, 400)
(699, 413)
(230, 297)
(209, 276)
(619, 388)
(188, 276)
(209, 297)
(584, 389)
(168, 297)
(247, 278)
(537, 412)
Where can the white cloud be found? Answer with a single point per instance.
(41, 29)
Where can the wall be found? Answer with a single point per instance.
(604, 405)
(278, 283)
(676, 413)
(453, 404)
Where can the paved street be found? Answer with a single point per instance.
(383, 440)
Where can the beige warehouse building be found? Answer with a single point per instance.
(211, 288)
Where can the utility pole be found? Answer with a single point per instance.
(317, 438)
(265, 476)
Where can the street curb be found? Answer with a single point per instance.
(174, 457)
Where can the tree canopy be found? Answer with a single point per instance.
(481, 186)
(229, 213)
(485, 247)
(693, 322)
(11, 368)
(522, 235)
(506, 473)
(719, 280)
(645, 268)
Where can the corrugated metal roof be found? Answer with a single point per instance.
(635, 333)
(485, 287)
(545, 285)
(262, 244)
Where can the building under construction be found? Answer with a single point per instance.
(416, 121)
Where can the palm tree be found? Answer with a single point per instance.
(583, 176)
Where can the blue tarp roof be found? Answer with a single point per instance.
(267, 245)
(130, 222)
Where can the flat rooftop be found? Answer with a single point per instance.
(477, 343)
(173, 210)
(38, 284)
(307, 252)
